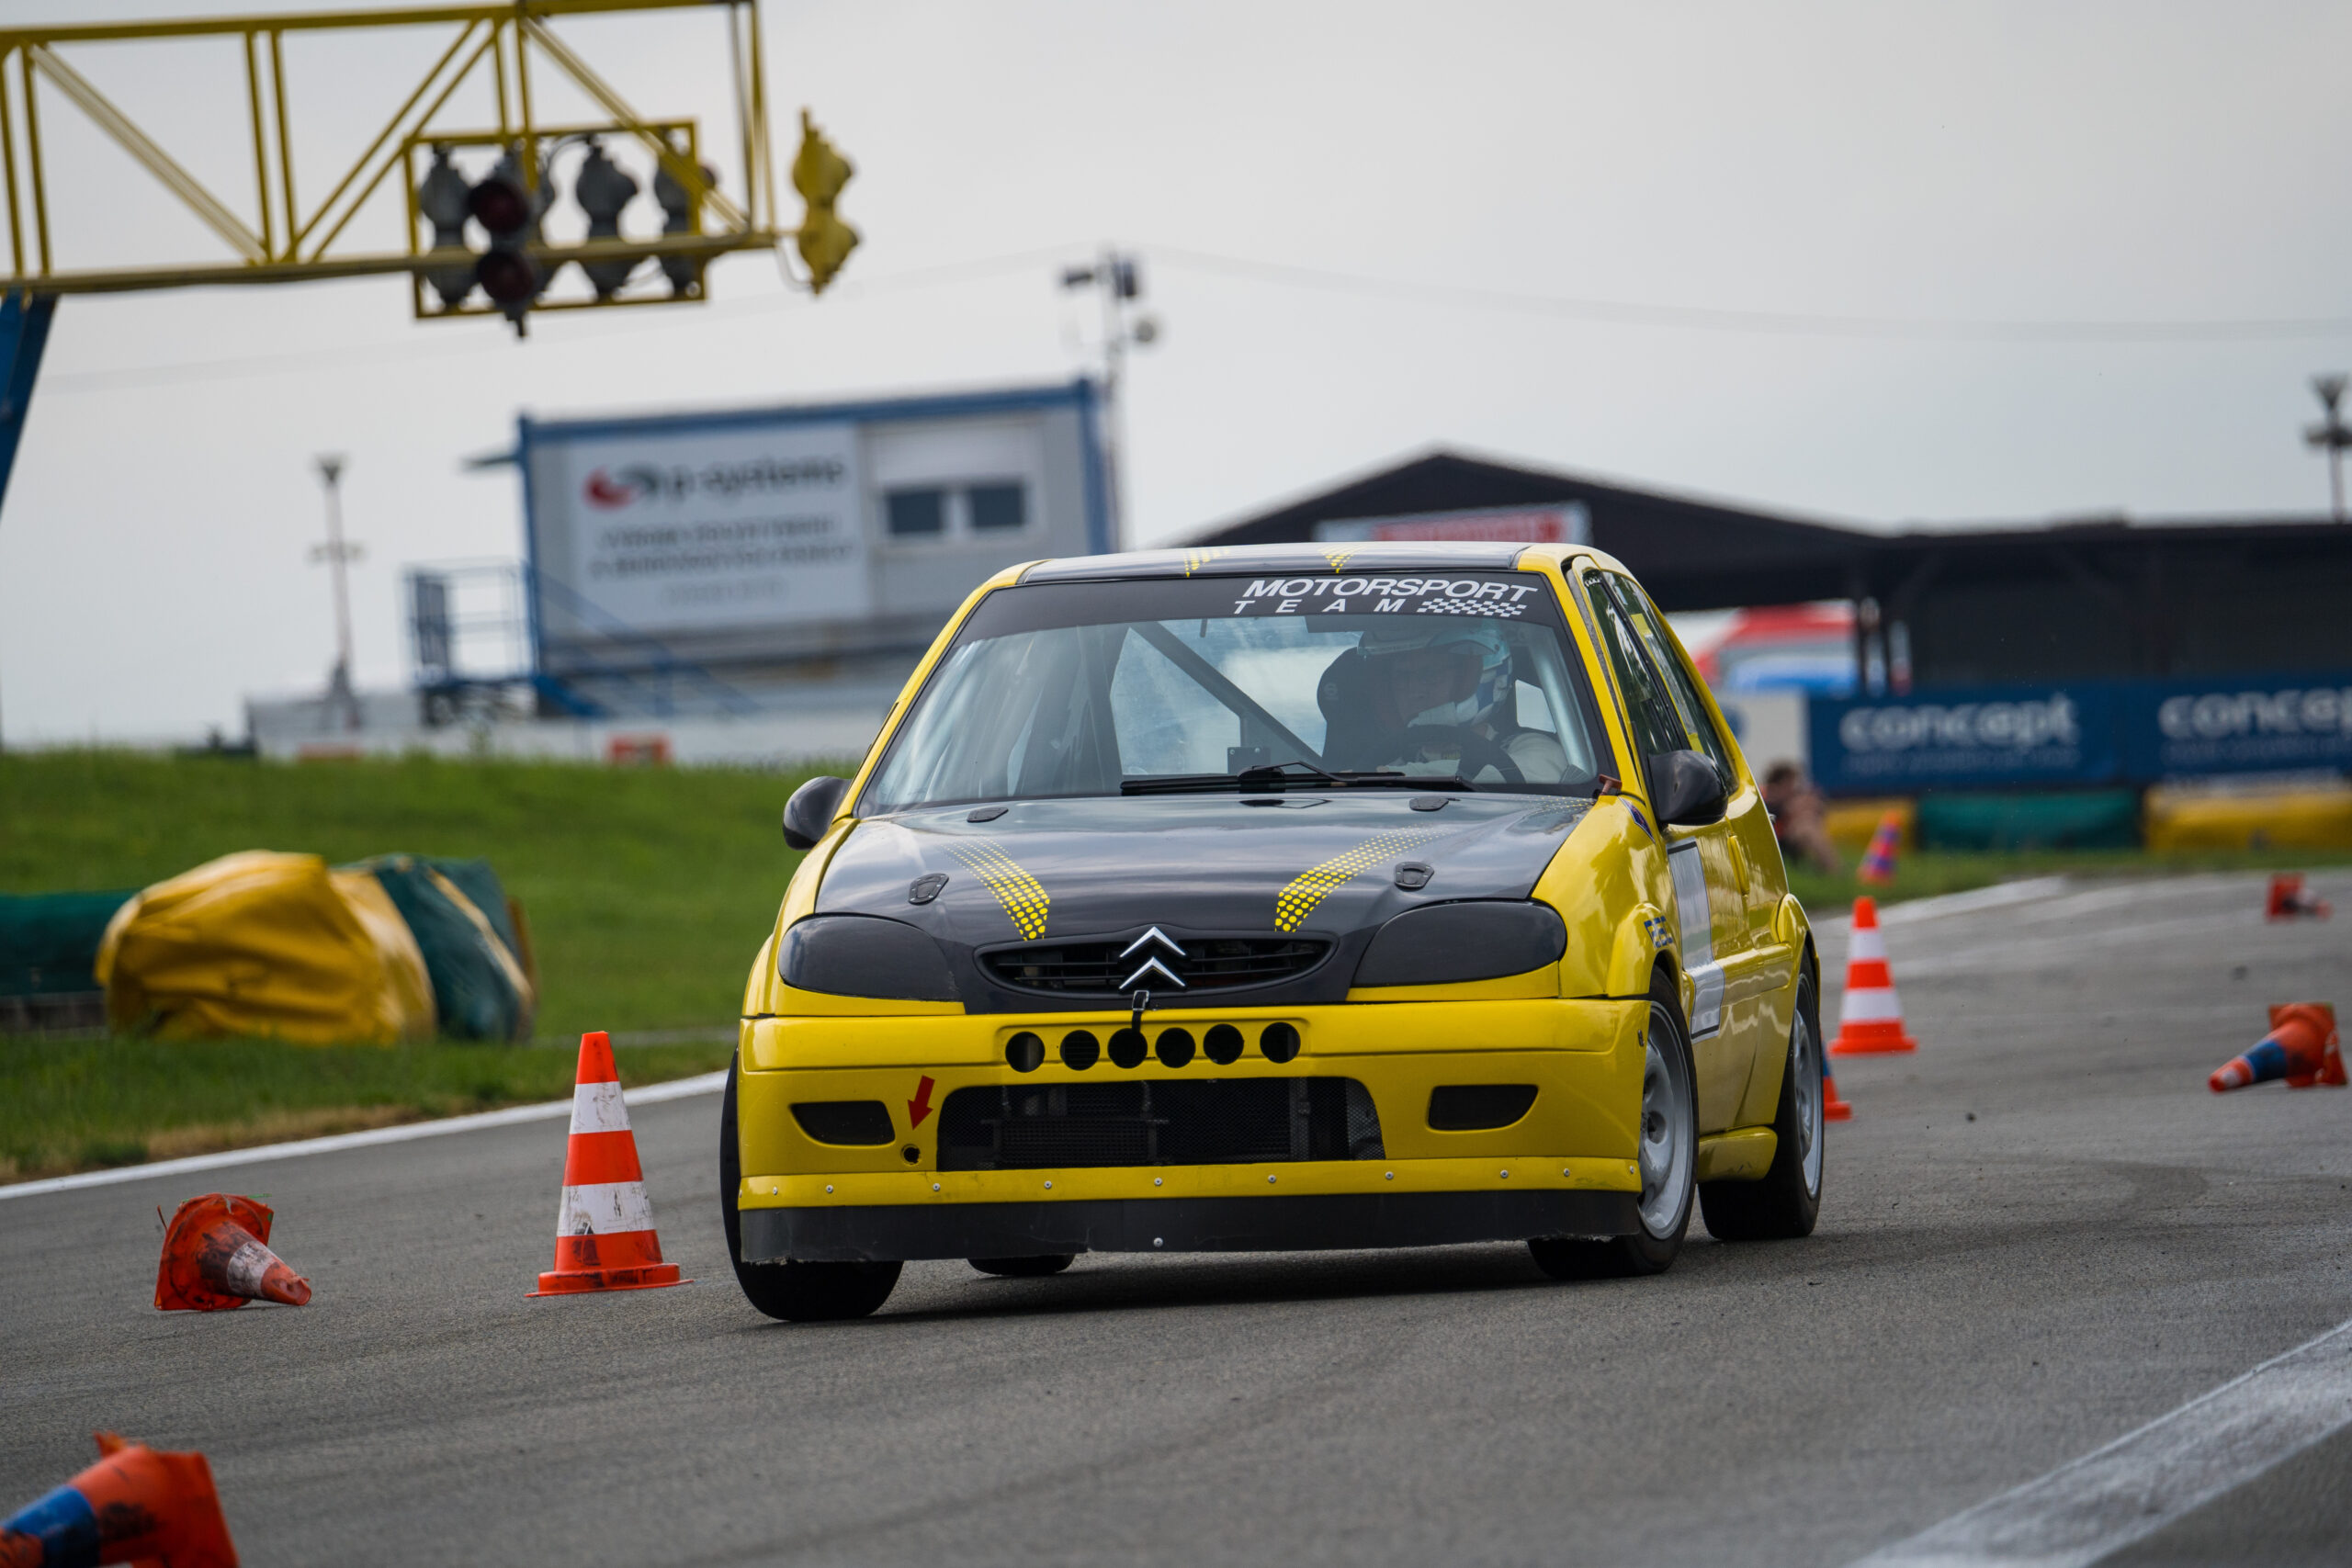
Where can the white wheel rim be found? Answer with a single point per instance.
(1805, 1060)
(1665, 1137)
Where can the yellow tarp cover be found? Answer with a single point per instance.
(267, 945)
(2283, 820)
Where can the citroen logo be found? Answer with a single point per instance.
(1152, 965)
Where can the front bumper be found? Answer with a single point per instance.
(1567, 1168)
(1310, 1223)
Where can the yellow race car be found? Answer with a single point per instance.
(1278, 898)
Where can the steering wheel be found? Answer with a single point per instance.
(1477, 752)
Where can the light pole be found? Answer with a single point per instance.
(1120, 278)
(2333, 435)
(338, 554)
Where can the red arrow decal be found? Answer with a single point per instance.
(920, 1106)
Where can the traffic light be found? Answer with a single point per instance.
(443, 197)
(818, 173)
(509, 211)
(681, 215)
(604, 189)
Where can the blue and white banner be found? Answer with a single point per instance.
(2261, 724)
(1989, 736)
(2088, 732)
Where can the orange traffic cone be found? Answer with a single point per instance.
(2300, 1047)
(1870, 1017)
(134, 1505)
(217, 1256)
(1832, 1107)
(1878, 861)
(604, 1227)
(2288, 898)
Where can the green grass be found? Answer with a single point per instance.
(1924, 874)
(648, 892)
(74, 1105)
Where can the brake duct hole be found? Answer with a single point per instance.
(1128, 1048)
(1081, 1050)
(1478, 1107)
(1223, 1046)
(1278, 1041)
(1025, 1053)
(1174, 1047)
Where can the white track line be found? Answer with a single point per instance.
(2145, 1480)
(1992, 898)
(652, 1094)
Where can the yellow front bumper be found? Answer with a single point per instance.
(1583, 1057)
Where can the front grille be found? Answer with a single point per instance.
(1095, 968)
(1163, 1122)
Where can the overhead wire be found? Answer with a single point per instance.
(1603, 312)
(1625, 312)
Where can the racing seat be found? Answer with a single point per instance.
(1354, 739)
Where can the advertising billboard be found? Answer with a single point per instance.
(751, 538)
(669, 531)
(2088, 732)
(2240, 726)
(1988, 737)
(1568, 523)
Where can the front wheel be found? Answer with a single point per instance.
(1668, 1162)
(1785, 1203)
(793, 1291)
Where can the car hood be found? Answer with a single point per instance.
(1061, 872)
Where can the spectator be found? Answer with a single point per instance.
(1797, 819)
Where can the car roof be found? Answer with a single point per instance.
(1348, 559)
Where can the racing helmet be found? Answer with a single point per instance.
(1455, 634)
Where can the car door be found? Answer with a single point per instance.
(1709, 871)
(1757, 973)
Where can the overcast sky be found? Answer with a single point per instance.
(1917, 262)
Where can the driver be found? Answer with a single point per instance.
(1419, 691)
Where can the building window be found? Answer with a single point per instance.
(917, 513)
(998, 508)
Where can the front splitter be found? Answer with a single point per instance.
(1300, 1224)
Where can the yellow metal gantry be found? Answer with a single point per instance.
(289, 241)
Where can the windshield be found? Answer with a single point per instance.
(1104, 688)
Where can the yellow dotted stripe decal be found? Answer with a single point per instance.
(1308, 889)
(1195, 559)
(1339, 560)
(1018, 891)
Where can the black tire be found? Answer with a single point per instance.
(792, 1290)
(1022, 1268)
(1787, 1201)
(1665, 1215)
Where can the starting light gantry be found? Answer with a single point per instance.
(275, 234)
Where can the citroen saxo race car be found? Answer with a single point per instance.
(1278, 898)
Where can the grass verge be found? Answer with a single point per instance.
(83, 1104)
(1927, 873)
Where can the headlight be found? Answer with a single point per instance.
(1481, 940)
(864, 956)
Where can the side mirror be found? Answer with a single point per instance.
(1685, 789)
(810, 810)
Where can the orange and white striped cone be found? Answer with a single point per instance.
(1832, 1107)
(603, 1228)
(216, 1256)
(1870, 1016)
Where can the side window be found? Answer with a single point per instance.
(1656, 729)
(1689, 708)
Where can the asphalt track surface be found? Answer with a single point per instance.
(2040, 1233)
